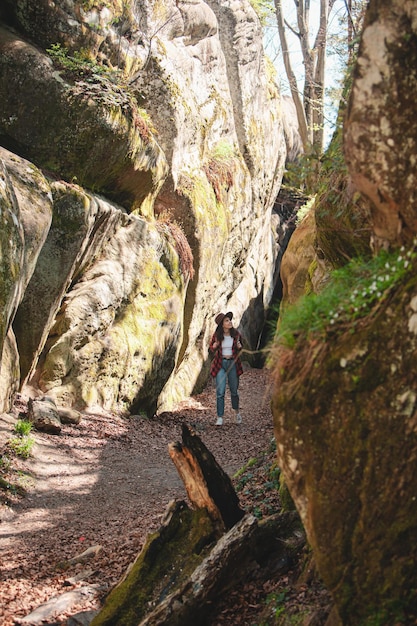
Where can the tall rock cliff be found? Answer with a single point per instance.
(142, 150)
(345, 402)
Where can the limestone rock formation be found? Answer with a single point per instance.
(151, 139)
(292, 134)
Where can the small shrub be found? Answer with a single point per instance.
(78, 63)
(258, 482)
(277, 602)
(21, 446)
(304, 210)
(23, 427)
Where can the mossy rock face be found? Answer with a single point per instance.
(380, 133)
(88, 137)
(345, 422)
(45, 23)
(343, 214)
(12, 250)
(25, 217)
(165, 563)
(115, 339)
(302, 270)
(74, 213)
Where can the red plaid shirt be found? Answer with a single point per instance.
(216, 364)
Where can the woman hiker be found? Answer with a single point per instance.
(226, 366)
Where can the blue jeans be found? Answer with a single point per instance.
(227, 372)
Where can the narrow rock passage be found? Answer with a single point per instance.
(107, 482)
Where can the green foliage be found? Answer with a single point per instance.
(240, 472)
(10, 489)
(21, 446)
(264, 9)
(277, 602)
(259, 481)
(351, 294)
(223, 151)
(79, 62)
(303, 173)
(304, 210)
(23, 427)
(342, 215)
(312, 171)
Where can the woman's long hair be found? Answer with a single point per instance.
(220, 333)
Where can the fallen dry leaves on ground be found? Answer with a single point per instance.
(106, 484)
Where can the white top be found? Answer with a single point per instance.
(227, 345)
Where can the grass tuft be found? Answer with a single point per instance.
(351, 294)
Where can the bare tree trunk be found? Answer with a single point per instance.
(311, 119)
(319, 77)
(301, 116)
(303, 18)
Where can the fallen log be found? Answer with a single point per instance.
(240, 552)
(165, 563)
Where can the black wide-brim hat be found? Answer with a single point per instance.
(220, 317)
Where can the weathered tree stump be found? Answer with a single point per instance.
(186, 564)
(207, 485)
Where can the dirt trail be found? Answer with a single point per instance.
(108, 482)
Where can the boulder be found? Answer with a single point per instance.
(69, 416)
(43, 414)
(344, 412)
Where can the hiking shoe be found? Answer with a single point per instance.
(238, 418)
(219, 421)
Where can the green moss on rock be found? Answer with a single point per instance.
(166, 561)
(348, 450)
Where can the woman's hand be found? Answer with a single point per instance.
(215, 345)
(239, 344)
